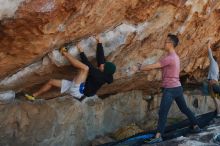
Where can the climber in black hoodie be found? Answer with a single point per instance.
(88, 81)
(97, 76)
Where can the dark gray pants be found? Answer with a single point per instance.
(170, 94)
(216, 88)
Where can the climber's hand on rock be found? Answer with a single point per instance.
(97, 38)
(209, 44)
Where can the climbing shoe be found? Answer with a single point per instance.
(63, 49)
(154, 140)
(30, 97)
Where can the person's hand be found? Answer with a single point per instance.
(139, 65)
(136, 68)
(80, 49)
(97, 38)
(209, 44)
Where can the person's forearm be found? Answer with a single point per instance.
(146, 67)
(150, 67)
(210, 52)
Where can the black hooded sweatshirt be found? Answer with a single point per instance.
(96, 78)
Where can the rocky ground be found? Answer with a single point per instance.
(210, 136)
(206, 138)
(66, 121)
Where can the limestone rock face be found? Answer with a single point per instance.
(67, 122)
(131, 31)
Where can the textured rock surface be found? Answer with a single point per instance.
(132, 31)
(132, 28)
(67, 122)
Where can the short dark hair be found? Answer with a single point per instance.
(174, 39)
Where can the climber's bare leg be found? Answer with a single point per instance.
(84, 69)
(51, 83)
(76, 63)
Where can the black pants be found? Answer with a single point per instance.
(170, 94)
